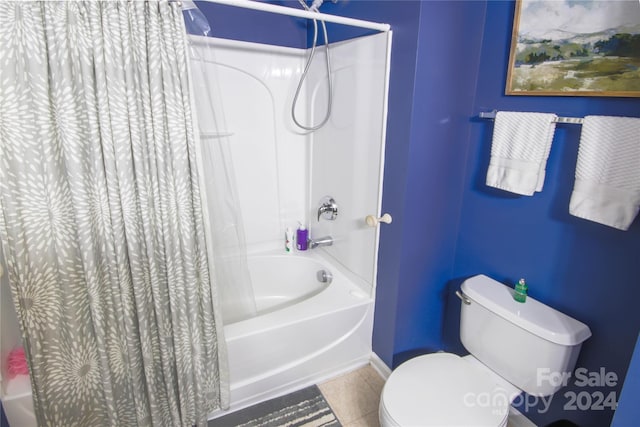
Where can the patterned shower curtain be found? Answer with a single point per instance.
(100, 215)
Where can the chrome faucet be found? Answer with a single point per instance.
(322, 241)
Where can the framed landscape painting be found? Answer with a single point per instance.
(575, 48)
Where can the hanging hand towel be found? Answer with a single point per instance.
(519, 151)
(607, 185)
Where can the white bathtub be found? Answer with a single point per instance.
(305, 330)
(281, 280)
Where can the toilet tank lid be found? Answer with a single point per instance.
(533, 316)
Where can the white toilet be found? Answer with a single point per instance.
(514, 347)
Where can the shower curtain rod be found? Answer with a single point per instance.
(301, 13)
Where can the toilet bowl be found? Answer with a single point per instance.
(443, 389)
(508, 341)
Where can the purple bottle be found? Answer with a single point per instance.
(302, 238)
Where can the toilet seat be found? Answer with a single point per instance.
(442, 389)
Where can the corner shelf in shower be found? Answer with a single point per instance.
(215, 135)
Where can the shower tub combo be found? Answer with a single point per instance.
(305, 329)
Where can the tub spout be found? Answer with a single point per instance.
(322, 241)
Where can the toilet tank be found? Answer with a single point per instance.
(529, 344)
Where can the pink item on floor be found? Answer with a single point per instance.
(17, 363)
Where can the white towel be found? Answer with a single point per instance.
(607, 186)
(519, 151)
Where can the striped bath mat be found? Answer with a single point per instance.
(304, 408)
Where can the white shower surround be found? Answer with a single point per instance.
(281, 173)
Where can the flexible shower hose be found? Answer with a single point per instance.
(306, 70)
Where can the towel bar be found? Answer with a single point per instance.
(569, 120)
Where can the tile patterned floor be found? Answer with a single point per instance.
(355, 396)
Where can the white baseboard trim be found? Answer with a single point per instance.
(380, 366)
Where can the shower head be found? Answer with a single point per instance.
(188, 4)
(194, 20)
(315, 4)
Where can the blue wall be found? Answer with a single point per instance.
(449, 62)
(587, 270)
(628, 412)
(451, 226)
(445, 85)
(229, 22)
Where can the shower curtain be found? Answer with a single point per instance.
(228, 248)
(100, 215)
(225, 229)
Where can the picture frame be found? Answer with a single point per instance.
(575, 48)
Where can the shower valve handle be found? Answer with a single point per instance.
(328, 209)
